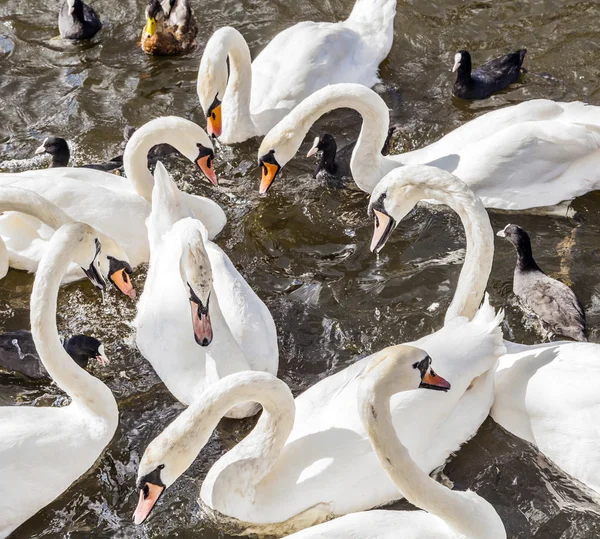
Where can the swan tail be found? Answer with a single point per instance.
(488, 321)
(374, 20)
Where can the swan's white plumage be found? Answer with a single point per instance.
(295, 63)
(116, 206)
(44, 450)
(244, 334)
(534, 154)
(548, 395)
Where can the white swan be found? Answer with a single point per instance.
(28, 221)
(450, 514)
(292, 471)
(116, 206)
(537, 153)
(44, 450)
(546, 394)
(295, 63)
(229, 329)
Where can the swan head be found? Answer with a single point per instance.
(212, 82)
(196, 274)
(276, 149)
(397, 194)
(401, 368)
(114, 265)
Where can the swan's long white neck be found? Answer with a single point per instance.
(465, 513)
(170, 130)
(236, 101)
(433, 183)
(368, 165)
(81, 386)
(250, 461)
(30, 203)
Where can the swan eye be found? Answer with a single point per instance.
(376, 221)
(146, 490)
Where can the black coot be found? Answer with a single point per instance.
(487, 79)
(77, 20)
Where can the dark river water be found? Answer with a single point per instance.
(304, 247)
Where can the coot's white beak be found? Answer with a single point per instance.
(314, 149)
(456, 66)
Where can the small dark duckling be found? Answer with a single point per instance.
(58, 149)
(335, 165)
(18, 353)
(170, 28)
(550, 300)
(487, 79)
(77, 20)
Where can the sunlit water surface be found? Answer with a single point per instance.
(304, 247)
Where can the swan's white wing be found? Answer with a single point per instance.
(303, 59)
(548, 395)
(247, 317)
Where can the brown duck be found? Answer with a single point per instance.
(170, 28)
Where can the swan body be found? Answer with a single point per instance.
(451, 515)
(296, 62)
(241, 333)
(44, 450)
(27, 223)
(299, 468)
(118, 207)
(548, 395)
(534, 154)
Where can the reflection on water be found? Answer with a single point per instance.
(304, 247)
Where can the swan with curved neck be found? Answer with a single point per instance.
(119, 207)
(230, 329)
(29, 247)
(552, 150)
(249, 98)
(398, 193)
(44, 450)
(450, 514)
(543, 393)
(299, 478)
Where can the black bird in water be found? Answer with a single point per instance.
(58, 149)
(77, 20)
(18, 353)
(334, 165)
(487, 79)
(553, 302)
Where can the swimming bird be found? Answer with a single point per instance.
(77, 20)
(488, 78)
(553, 302)
(446, 514)
(245, 99)
(19, 355)
(551, 149)
(43, 450)
(170, 27)
(58, 149)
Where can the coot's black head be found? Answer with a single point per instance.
(56, 147)
(520, 239)
(82, 348)
(76, 9)
(325, 144)
(462, 62)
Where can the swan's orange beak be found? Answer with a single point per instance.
(149, 495)
(201, 323)
(122, 281)
(269, 171)
(205, 164)
(384, 225)
(214, 121)
(431, 380)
